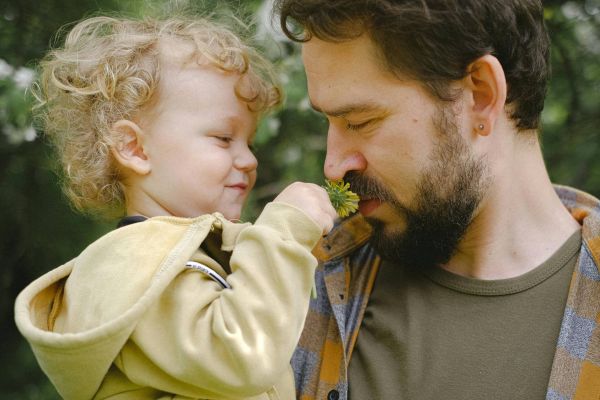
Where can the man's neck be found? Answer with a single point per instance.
(520, 223)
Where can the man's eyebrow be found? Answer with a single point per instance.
(346, 109)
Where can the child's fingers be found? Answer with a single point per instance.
(313, 200)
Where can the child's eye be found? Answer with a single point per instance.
(224, 139)
(356, 127)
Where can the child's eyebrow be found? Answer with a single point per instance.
(235, 122)
(225, 122)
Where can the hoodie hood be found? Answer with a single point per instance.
(62, 340)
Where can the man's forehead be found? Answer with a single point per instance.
(351, 62)
(330, 53)
(344, 78)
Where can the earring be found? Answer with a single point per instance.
(480, 127)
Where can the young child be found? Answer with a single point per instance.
(155, 118)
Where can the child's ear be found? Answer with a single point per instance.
(487, 84)
(129, 147)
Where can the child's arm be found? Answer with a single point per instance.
(213, 343)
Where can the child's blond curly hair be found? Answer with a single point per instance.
(107, 70)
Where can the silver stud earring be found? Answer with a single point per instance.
(480, 126)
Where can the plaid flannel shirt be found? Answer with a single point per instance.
(345, 278)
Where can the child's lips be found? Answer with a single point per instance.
(368, 206)
(242, 187)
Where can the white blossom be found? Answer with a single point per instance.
(24, 77)
(267, 28)
(273, 124)
(29, 134)
(6, 69)
(292, 155)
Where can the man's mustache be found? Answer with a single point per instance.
(366, 187)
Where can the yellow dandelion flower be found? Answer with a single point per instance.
(344, 201)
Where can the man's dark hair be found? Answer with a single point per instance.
(434, 41)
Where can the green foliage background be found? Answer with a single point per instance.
(39, 231)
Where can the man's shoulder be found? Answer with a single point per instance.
(578, 200)
(585, 208)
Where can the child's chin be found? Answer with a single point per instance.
(232, 215)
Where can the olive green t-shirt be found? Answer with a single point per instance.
(434, 335)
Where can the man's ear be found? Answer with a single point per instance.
(129, 147)
(487, 84)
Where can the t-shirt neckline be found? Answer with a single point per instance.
(499, 287)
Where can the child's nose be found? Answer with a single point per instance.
(246, 160)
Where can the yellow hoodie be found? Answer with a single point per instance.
(127, 320)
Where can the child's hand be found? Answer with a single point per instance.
(313, 200)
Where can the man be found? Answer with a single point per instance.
(475, 277)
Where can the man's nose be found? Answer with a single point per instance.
(343, 155)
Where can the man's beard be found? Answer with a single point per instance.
(447, 195)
